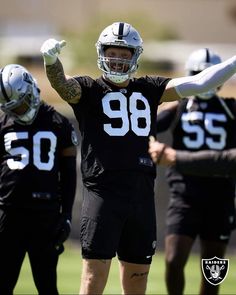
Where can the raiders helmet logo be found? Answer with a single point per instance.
(74, 138)
(215, 270)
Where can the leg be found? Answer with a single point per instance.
(12, 250)
(11, 261)
(102, 220)
(177, 249)
(210, 249)
(43, 255)
(44, 265)
(94, 276)
(134, 277)
(138, 240)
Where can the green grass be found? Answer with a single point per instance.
(69, 271)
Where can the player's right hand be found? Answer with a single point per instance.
(62, 230)
(50, 50)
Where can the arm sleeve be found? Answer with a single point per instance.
(164, 120)
(207, 163)
(68, 184)
(210, 78)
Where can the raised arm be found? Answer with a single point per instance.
(67, 87)
(210, 78)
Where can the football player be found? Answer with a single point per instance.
(116, 114)
(198, 206)
(38, 181)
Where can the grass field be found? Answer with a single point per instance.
(69, 270)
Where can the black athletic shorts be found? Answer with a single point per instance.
(118, 217)
(211, 223)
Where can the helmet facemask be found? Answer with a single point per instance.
(119, 35)
(20, 95)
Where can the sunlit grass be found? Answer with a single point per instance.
(69, 271)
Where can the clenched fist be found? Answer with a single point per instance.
(50, 50)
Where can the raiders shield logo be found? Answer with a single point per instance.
(215, 270)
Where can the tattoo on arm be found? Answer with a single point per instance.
(139, 274)
(67, 87)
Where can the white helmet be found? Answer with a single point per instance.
(18, 88)
(198, 61)
(122, 35)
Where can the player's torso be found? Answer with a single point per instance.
(203, 125)
(115, 124)
(29, 157)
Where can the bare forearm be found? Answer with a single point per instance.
(67, 87)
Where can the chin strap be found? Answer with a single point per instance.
(226, 108)
(116, 78)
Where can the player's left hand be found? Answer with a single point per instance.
(62, 231)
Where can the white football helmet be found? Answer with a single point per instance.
(198, 61)
(122, 35)
(18, 89)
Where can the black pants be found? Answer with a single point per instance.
(21, 232)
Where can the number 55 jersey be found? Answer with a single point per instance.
(196, 125)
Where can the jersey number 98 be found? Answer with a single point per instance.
(128, 113)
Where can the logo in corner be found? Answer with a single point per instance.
(215, 270)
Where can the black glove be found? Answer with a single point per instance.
(62, 230)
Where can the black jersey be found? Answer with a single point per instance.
(115, 123)
(29, 157)
(203, 125)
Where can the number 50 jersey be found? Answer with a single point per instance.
(30, 156)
